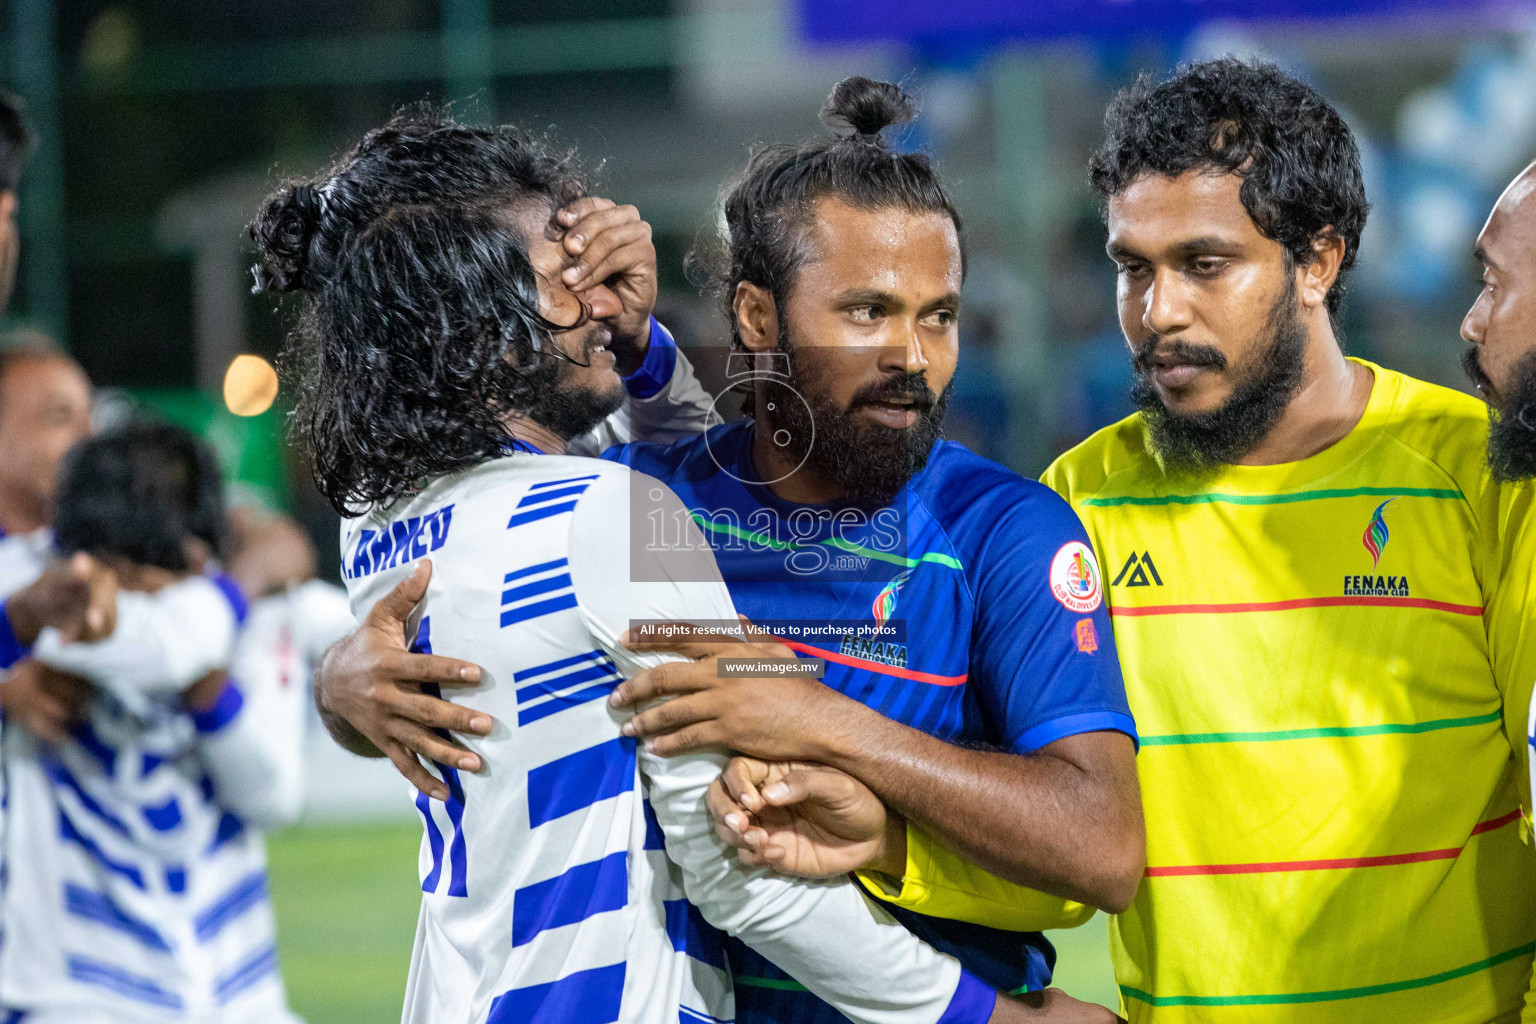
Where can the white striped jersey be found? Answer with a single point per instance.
(137, 873)
(576, 878)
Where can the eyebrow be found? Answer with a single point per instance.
(1206, 244)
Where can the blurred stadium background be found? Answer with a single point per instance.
(163, 122)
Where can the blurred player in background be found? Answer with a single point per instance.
(1307, 578)
(843, 260)
(548, 894)
(136, 872)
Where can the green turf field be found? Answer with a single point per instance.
(346, 901)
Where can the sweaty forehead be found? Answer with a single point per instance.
(886, 248)
(1510, 234)
(1156, 212)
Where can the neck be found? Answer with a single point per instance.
(1330, 401)
(521, 428)
(800, 485)
(21, 514)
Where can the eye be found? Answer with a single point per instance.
(866, 314)
(1208, 265)
(1131, 269)
(942, 317)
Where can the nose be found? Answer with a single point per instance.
(1474, 326)
(602, 301)
(1165, 308)
(905, 351)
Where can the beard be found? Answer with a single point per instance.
(565, 408)
(1511, 415)
(1200, 442)
(869, 461)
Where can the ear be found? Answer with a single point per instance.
(757, 317)
(1315, 279)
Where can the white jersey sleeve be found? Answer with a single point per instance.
(163, 643)
(636, 554)
(251, 742)
(677, 408)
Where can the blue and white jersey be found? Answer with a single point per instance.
(138, 887)
(577, 878)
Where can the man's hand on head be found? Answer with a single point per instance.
(45, 702)
(773, 717)
(611, 245)
(77, 596)
(805, 819)
(369, 692)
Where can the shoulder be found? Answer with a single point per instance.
(693, 458)
(981, 503)
(1083, 470)
(1446, 426)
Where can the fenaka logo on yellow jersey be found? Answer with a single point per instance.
(1375, 540)
(1075, 577)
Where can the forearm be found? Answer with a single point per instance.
(252, 751)
(825, 935)
(1038, 820)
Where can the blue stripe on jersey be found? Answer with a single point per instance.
(512, 616)
(693, 935)
(434, 841)
(98, 907)
(250, 891)
(124, 983)
(458, 856)
(655, 839)
(586, 997)
(517, 605)
(255, 967)
(12, 1016)
(580, 780)
(544, 497)
(568, 700)
(61, 776)
(537, 587)
(560, 483)
(587, 673)
(149, 763)
(87, 738)
(163, 818)
(579, 893)
(176, 879)
(69, 833)
(535, 514)
(517, 574)
(230, 828)
(685, 1015)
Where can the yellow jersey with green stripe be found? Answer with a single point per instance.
(1332, 793)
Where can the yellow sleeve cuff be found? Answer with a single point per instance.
(938, 883)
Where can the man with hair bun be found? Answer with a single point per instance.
(970, 672)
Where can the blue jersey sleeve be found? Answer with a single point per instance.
(1043, 654)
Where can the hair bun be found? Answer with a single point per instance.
(862, 106)
(283, 231)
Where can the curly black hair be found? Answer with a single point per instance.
(140, 492)
(766, 209)
(1296, 155)
(420, 327)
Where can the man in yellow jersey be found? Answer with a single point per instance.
(1501, 330)
(1308, 572)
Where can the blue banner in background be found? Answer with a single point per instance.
(844, 21)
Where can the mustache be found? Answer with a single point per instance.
(913, 386)
(1176, 352)
(1474, 371)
